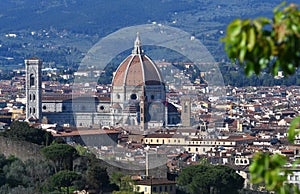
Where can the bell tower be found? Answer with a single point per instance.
(186, 111)
(33, 89)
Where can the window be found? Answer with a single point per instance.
(196, 149)
(44, 107)
(101, 107)
(154, 189)
(133, 97)
(160, 188)
(171, 187)
(166, 188)
(33, 97)
(31, 80)
(30, 98)
(185, 109)
(33, 110)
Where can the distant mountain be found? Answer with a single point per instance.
(87, 16)
(102, 16)
(62, 31)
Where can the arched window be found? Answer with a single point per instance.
(31, 80)
(33, 97)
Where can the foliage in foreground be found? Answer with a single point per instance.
(263, 43)
(274, 45)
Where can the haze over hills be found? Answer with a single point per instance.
(104, 16)
(62, 31)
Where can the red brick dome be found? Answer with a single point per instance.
(137, 69)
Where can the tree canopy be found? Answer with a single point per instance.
(199, 179)
(64, 178)
(97, 176)
(22, 131)
(61, 154)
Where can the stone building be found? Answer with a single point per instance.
(138, 98)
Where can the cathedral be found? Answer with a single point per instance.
(137, 98)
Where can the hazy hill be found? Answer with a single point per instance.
(89, 16)
(98, 16)
(66, 29)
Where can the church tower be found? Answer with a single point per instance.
(33, 89)
(186, 111)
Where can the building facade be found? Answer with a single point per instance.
(138, 98)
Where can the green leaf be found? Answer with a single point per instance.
(252, 38)
(294, 129)
(275, 68)
(242, 54)
(244, 40)
(276, 9)
(235, 28)
(249, 68)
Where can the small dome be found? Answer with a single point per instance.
(137, 69)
